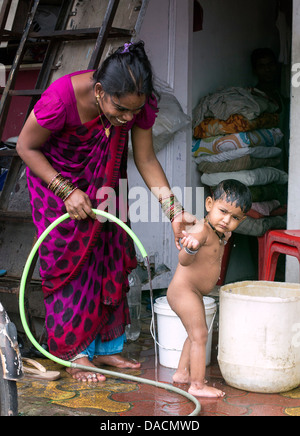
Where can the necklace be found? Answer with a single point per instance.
(221, 237)
(106, 129)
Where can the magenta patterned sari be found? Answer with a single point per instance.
(84, 264)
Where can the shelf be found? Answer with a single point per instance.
(16, 216)
(24, 92)
(70, 35)
(10, 153)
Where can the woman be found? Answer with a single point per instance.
(75, 145)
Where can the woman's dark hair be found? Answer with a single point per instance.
(126, 71)
(234, 191)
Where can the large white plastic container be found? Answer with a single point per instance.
(259, 339)
(172, 334)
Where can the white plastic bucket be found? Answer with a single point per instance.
(259, 336)
(172, 334)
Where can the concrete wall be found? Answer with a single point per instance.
(231, 30)
(292, 270)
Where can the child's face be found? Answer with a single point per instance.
(224, 216)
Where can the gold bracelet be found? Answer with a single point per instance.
(61, 187)
(171, 207)
(52, 180)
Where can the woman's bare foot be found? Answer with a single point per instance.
(206, 391)
(85, 376)
(117, 361)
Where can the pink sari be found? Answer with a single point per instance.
(84, 264)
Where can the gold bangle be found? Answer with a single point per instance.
(171, 207)
(61, 187)
(52, 180)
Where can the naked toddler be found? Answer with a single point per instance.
(196, 275)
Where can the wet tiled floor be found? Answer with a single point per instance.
(125, 398)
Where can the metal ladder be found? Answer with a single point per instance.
(60, 34)
(100, 34)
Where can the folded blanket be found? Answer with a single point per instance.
(234, 100)
(258, 176)
(279, 211)
(265, 207)
(218, 144)
(259, 152)
(234, 124)
(272, 191)
(258, 227)
(246, 162)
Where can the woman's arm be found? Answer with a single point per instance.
(147, 162)
(154, 176)
(29, 144)
(31, 138)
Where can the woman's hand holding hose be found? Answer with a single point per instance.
(79, 206)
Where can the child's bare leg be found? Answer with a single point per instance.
(198, 335)
(182, 375)
(191, 311)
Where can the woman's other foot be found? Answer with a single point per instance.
(117, 361)
(85, 376)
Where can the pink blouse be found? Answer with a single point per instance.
(57, 108)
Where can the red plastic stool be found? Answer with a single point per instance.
(262, 242)
(225, 260)
(278, 242)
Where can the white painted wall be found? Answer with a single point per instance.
(232, 29)
(191, 66)
(167, 33)
(221, 51)
(292, 268)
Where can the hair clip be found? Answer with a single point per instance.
(126, 47)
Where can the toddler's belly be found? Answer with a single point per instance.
(201, 281)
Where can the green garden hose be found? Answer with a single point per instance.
(73, 364)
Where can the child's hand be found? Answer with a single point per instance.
(180, 223)
(189, 241)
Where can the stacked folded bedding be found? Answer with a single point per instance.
(236, 136)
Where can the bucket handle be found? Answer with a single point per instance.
(174, 349)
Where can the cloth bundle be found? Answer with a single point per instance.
(234, 124)
(258, 176)
(218, 144)
(249, 103)
(236, 136)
